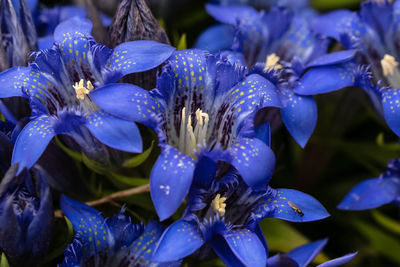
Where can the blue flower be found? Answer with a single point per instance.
(26, 216)
(303, 255)
(375, 192)
(223, 215)
(57, 84)
(374, 33)
(280, 45)
(202, 110)
(108, 242)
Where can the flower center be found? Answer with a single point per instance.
(189, 138)
(390, 70)
(81, 90)
(218, 204)
(271, 63)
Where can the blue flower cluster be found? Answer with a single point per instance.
(210, 112)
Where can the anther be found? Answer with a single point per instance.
(218, 204)
(388, 64)
(81, 90)
(271, 63)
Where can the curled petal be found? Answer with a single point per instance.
(339, 261)
(305, 254)
(216, 38)
(230, 14)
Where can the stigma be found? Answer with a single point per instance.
(81, 90)
(192, 133)
(218, 205)
(271, 63)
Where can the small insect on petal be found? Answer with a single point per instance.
(295, 208)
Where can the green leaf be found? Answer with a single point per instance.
(59, 250)
(139, 159)
(131, 181)
(282, 237)
(4, 262)
(386, 222)
(93, 165)
(382, 242)
(73, 154)
(334, 4)
(182, 43)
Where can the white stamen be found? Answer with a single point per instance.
(81, 90)
(218, 204)
(189, 139)
(388, 64)
(271, 63)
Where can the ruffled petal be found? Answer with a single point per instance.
(299, 114)
(13, 81)
(126, 101)
(216, 38)
(179, 240)
(114, 132)
(339, 261)
(247, 247)
(138, 56)
(326, 79)
(305, 254)
(230, 14)
(170, 180)
(254, 160)
(371, 193)
(89, 224)
(290, 205)
(32, 141)
(391, 108)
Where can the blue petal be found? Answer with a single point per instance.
(216, 38)
(12, 81)
(230, 14)
(326, 79)
(45, 42)
(254, 160)
(247, 247)
(138, 56)
(391, 108)
(205, 171)
(224, 252)
(299, 114)
(371, 193)
(281, 260)
(143, 247)
(263, 132)
(291, 205)
(259, 232)
(179, 240)
(114, 132)
(134, 103)
(338, 22)
(170, 180)
(378, 16)
(305, 254)
(333, 58)
(89, 224)
(32, 141)
(74, 27)
(339, 261)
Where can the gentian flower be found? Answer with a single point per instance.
(303, 255)
(223, 216)
(57, 84)
(375, 192)
(108, 242)
(374, 33)
(202, 110)
(26, 216)
(280, 45)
